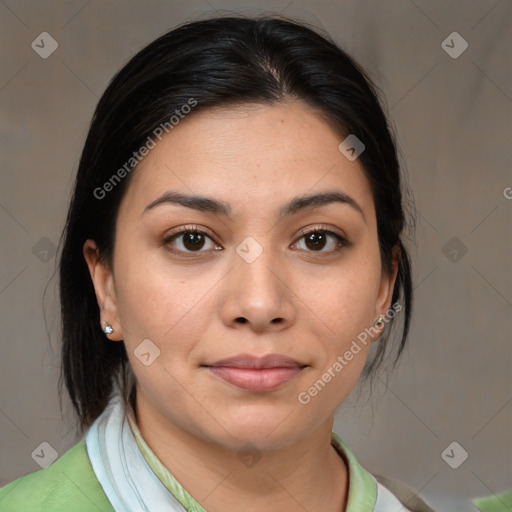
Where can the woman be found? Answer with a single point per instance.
(232, 252)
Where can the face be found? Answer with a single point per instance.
(269, 272)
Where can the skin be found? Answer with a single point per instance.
(296, 301)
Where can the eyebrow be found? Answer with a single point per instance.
(297, 204)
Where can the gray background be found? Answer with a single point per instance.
(453, 119)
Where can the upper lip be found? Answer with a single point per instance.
(256, 362)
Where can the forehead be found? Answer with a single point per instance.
(249, 155)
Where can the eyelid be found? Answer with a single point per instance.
(322, 227)
(187, 228)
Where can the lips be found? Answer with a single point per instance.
(256, 374)
(248, 361)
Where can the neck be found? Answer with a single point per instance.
(308, 474)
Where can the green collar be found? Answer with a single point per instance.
(362, 489)
(362, 492)
(165, 476)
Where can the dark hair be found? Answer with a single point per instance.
(216, 62)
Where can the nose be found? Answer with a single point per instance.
(258, 295)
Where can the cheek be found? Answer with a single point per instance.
(162, 302)
(345, 310)
(345, 301)
(344, 307)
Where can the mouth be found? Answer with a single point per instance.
(256, 374)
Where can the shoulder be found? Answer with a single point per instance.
(67, 484)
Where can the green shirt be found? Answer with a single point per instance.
(70, 484)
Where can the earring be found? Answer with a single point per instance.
(380, 322)
(108, 329)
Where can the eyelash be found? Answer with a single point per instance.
(342, 242)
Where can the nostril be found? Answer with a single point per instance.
(242, 320)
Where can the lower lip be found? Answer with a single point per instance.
(256, 380)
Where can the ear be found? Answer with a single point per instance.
(103, 281)
(387, 285)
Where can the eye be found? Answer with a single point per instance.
(189, 239)
(316, 239)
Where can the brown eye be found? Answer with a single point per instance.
(317, 239)
(189, 240)
(193, 241)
